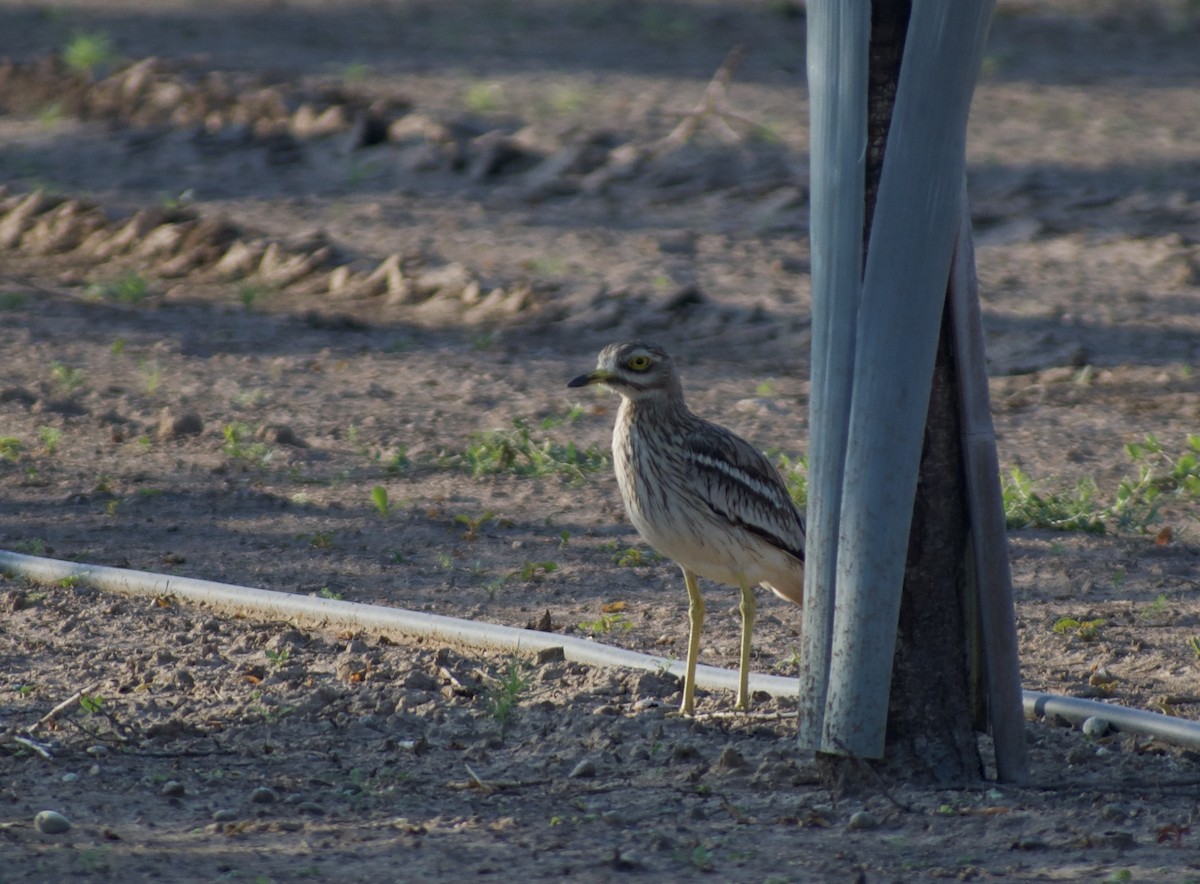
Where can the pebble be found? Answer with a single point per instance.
(97, 751)
(173, 789)
(1114, 812)
(730, 759)
(51, 822)
(224, 815)
(70, 777)
(585, 768)
(264, 795)
(1095, 727)
(863, 819)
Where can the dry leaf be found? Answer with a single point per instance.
(612, 607)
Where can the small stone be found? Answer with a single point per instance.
(173, 789)
(224, 815)
(1095, 727)
(863, 819)
(1114, 812)
(417, 680)
(730, 759)
(51, 822)
(264, 795)
(70, 777)
(584, 769)
(97, 751)
(172, 426)
(310, 808)
(612, 818)
(280, 434)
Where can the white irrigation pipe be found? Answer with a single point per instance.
(336, 614)
(339, 615)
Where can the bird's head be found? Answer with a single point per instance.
(635, 369)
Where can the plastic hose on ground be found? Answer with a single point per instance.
(397, 622)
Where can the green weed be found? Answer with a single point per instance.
(240, 445)
(85, 52)
(605, 624)
(70, 379)
(532, 571)
(483, 98)
(502, 697)
(1087, 630)
(277, 657)
(1134, 505)
(129, 288)
(521, 452)
(10, 448)
(49, 437)
(379, 497)
(473, 524)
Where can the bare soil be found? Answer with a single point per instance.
(269, 256)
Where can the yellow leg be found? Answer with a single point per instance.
(748, 604)
(695, 622)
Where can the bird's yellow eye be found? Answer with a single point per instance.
(640, 362)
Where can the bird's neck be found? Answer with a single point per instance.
(657, 409)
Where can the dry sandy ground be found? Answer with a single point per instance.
(286, 253)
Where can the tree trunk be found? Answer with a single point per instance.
(930, 735)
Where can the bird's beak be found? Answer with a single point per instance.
(598, 376)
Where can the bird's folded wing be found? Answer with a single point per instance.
(739, 484)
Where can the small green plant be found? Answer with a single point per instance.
(564, 538)
(326, 593)
(151, 375)
(70, 379)
(634, 557)
(379, 497)
(532, 571)
(520, 452)
(85, 52)
(69, 582)
(795, 476)
(12, 301)
(473, 524)
(765, 389)
(129, 288)
(23, 690)
(92, 704)
(1157, 609)
(397, 463)
(356, 72)
(1026, 507)
(250, 294)
(117, 347)
(482, 98)
(1087, 630)
(10, 448)
(239, 445)
(321, 540)
(605, 624)
(1194, 644)
(502, 697)
(50, 437)
(277, 657)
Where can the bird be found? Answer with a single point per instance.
(699, 494)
